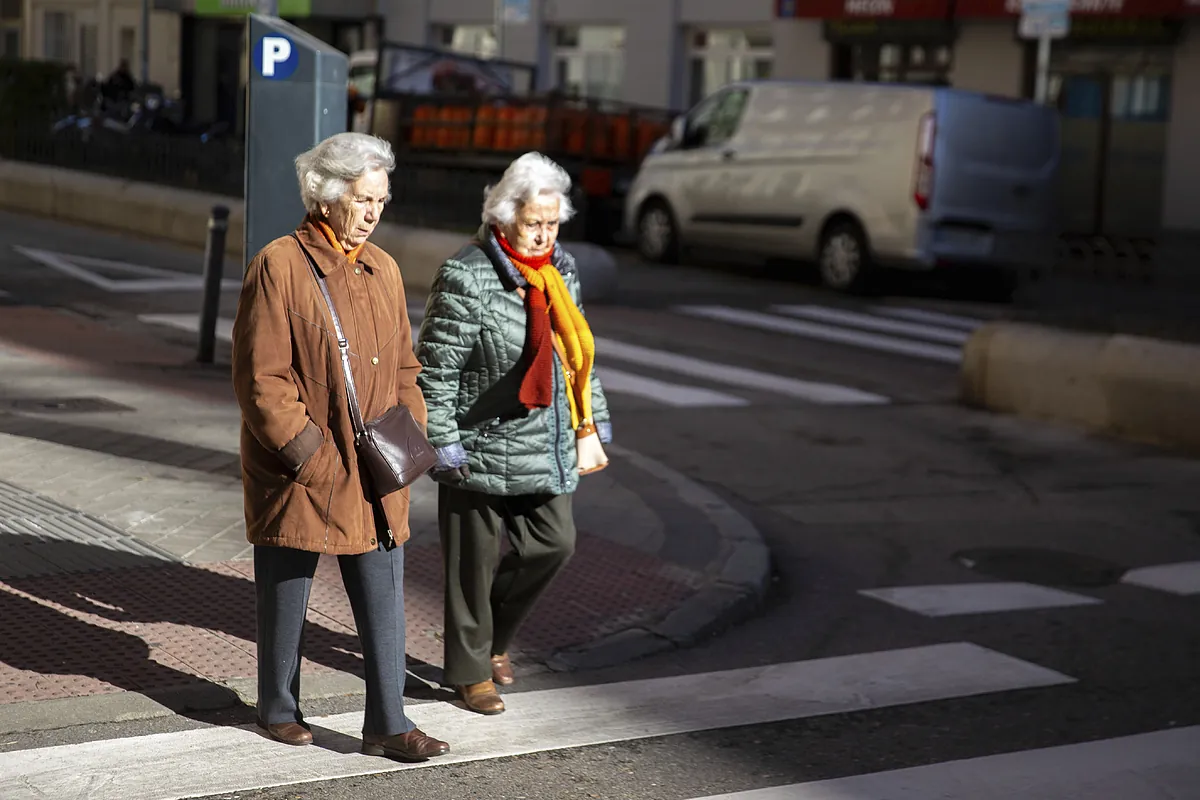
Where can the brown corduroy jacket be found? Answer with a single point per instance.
(300, 474)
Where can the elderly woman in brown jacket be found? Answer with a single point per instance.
(304, 491)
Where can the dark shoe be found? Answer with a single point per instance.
(288, 732)
(411, 746)
(502, 670)
(482, 698)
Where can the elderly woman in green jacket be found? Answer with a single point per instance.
(507, 373)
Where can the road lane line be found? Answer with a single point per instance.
(1148, 766)
(216, 760)
(671, 394)
(976, 598)
(868, 322)
(933, 317)
(813, 392)
(160, 280)
(1182, 578)
(813, 330)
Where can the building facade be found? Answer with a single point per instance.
(1122, 78)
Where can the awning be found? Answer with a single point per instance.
(864, 9)
(975, 9)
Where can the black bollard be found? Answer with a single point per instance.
(214, 269)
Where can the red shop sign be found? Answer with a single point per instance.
(1083, 8)
(864, 9)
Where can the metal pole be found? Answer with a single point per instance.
(214, 268)
(145, 42)
(499, 14)
(1042, 87)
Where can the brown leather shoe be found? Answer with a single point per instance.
(482, 698)
(411, 746)
(502, 670)
(287, 732)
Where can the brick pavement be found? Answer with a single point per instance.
(124, 565)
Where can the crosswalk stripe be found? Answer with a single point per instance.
(828, 333)
(736, 376)
(931, 317)
(672, 394)
(976, 598)
(868, 322)
(170, 766)
(1182, 578)
(1147, 766)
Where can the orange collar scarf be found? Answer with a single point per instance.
(551, 311)
(330, 237)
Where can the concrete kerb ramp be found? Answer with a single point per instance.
(180, 217)
(1132, 387)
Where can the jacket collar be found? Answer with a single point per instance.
(328, 258)
(509, 276)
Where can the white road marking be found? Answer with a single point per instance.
(868, 322)
(216, 760)
(671, 394)
(976, 598)
(152, 279)
(189, 323)
(1149, 766)
(813, 392)
(1182, 578)
(932, 317)
(813, 330)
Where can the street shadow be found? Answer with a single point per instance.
(99, 617)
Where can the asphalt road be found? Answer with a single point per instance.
(870, 480)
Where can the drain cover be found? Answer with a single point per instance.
(67, 405)
(1036, 565)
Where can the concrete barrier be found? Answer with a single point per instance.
(180, 216)
(1133, 387)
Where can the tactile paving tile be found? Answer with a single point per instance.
(177, 625)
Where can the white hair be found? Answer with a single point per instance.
(331, 166)
(532, 175)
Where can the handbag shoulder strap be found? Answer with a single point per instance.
(356, 417)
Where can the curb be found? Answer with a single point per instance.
(180, 217)
(737, 582)
(1132, 387)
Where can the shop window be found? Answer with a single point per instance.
(88, 38)
(470, 40)
(10, 42)
(1140, 98)
(926, 64)
(127, 45)
(589, 61)
(723, 56)
(56, 36)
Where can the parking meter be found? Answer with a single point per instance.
(296, 97)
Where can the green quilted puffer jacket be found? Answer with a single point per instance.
(470, 347)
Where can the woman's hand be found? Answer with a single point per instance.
(452, 476)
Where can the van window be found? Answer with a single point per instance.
(716, 120)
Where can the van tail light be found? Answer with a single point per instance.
(923, 176)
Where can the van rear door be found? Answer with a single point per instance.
(994, 179)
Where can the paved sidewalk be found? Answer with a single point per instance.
(125, 580)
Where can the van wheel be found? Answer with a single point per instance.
(657, 234)
(844, 259)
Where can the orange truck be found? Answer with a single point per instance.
(433, 104)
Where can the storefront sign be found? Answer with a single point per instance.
(863, 9)
(867, 31)
(233, 8)
(973, 9)
(1044, 19)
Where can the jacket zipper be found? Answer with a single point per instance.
(559, 390)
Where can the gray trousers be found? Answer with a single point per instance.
(488, 597)
(375, 584)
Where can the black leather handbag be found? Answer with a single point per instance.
(392, 446)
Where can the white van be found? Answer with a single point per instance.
(856, 177)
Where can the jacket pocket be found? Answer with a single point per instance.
(317, 471)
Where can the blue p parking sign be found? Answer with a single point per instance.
(275, 57)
